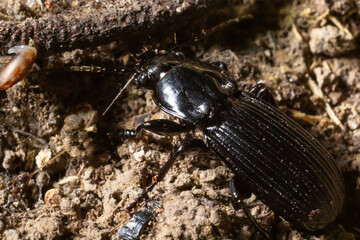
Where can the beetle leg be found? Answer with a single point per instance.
(239, 194)
(139, 220)
(191, 144)
(261, 91)
(158, 126)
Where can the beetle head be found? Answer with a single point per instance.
(153, 65)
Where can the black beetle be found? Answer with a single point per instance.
(270, 154)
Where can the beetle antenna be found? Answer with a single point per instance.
(84, 68)
(220, 26)
(216, 28)
(118, 95)
(97, 69)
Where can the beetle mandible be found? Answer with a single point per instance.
(270, 154)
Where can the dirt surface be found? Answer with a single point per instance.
(305, 51)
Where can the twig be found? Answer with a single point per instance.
(312, 119)
(41, 140)
(340, 26)
(296, 33)
(318, 92)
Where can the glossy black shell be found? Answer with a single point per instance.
(281, 163)
(272, 155)
(192, 90)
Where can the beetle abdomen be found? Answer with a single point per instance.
(279, 161)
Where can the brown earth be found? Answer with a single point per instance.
(296, 47)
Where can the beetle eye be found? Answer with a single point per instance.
(141, 79)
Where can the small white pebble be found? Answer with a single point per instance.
(131, 149)
(15, 109)
(139, 156)
(43, 157)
